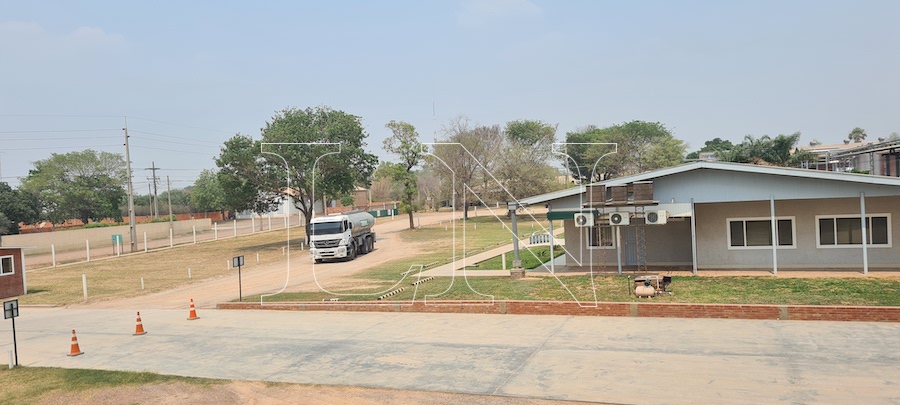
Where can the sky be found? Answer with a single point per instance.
(189, 75)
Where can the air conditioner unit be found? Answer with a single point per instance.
(582, 220)
(656, 217)
(619, 218)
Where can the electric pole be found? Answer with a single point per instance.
(131, 220)
(153, 169)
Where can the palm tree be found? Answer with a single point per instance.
(857, 135)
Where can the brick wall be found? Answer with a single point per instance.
(636, 309)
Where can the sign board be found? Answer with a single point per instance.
(237, 261)
(10, 309)
(117, 239)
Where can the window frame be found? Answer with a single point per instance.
(793, 244)
(12, 259)
(819, 245)
(587, 237)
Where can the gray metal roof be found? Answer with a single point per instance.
(728, 167)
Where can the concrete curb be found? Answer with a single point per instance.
(632, 309)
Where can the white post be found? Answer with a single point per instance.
(419, 222)
(476, 210)
(194, 228)
(171, 238)
(282, 250)
(10, 352)
(618, 249)
(235, 228)
(87, 244)
(145, 242)
(774, 235)
(142, 283)
(53, 254)
(301, 245)
(270, 222)
(118, 248)
(84, 285)
(503, 260)
(474, 225)
(286, 220)
(257, 257)
(252, 225)
(189, 273)
(215, 231)
(228, 264)
(694, 235)
(300, 218)
(552, 258)
(865, 232)
(392, 215)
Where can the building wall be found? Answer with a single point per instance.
(666, 245)
(712, 235)
(13, 284)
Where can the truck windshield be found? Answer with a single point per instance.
(326, 228)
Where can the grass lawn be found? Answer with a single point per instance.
(531, 258)
(26, 385)
(162, 269)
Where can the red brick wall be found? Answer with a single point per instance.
(11, 284)
(638, 309)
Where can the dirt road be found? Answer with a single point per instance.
(298, 274)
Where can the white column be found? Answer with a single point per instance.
(171, 238)
(84, 285)
(52, 255)
(552, 266)
(774, 235)
(87, 244)
(865, 232)
(618, 249)
(215, 231)
(694, 235)
(270, 222)
(252, 225)
(145, 242)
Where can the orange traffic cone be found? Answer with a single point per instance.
(75, 349)
(193, 312)
(139, 329)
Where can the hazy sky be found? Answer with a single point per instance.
(703, 68)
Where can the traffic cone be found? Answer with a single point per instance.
(139, 329)
(75, 349)
(193, 312)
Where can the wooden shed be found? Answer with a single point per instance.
(12, 271)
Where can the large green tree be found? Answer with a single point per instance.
(713, 145)
(524, 168)
(207, 194)
(404, 142)
(642, 146)
(765, 150)
(857, 135)
(16, 206)
(86, 185)
(293, 144)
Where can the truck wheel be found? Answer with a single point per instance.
(352, 254)
(370, 242)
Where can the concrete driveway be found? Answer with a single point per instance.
(619, 360)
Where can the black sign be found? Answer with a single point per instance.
(10, 309)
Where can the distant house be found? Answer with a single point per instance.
(12, 272)
(712, 215)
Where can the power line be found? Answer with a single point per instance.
(59, 138)
(181, 125)
(64, 147)
(61, 115)
(171, 150)
(179, 143)
(59, 130)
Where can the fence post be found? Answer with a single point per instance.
(84, 285)
(503, 260)
(252, 225)
(87, 244)
(189, 272)
(142, 283)
(53, 254)
(145, 242)
(257, 257)
(215, 231)
(194, 227)
(270, 222)
(171, 238)
(235, 228)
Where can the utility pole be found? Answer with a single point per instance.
(131, 220)
(150, 194)
(169, 194)
(153, 169)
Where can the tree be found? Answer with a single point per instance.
(523, 169)
(765, 150)
(258, 178)
(713, 145)
(463, 159)
(642, 146)
(87, 185)
(207, 194)
(16, 206)
(405, 143)
(857, 135)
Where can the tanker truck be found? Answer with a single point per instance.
(341, 236)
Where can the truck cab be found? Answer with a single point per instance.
(342, 236)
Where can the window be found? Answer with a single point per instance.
(846, 231)
(749, 233)
(6, 265)
(600, 237)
